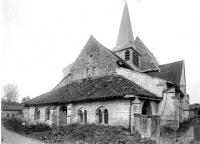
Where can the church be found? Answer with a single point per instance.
(113, 87)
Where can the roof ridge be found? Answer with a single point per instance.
(148, 51)
(172, 62)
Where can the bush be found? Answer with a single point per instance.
(16, 125)
(73, 133)
(92, 133)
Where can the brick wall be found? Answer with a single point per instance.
(153, 85)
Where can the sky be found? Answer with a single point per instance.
(41, 37)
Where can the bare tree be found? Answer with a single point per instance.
(24, 99)
(11, 93)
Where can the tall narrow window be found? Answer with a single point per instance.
(82, 115)
(106, 116)
(36, 114)
(47, 114)
(135, 59)
(99, 115)
(127, 55)
(88, 72)
(85, 116)
(94, 70)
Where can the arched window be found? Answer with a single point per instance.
(102, 115)
(82, 115)
(146, 110)
(47, 114)
(127, 55)
(36, 114)
(99, 115)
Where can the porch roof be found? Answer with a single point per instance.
(109, 86)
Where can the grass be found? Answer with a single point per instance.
(76, 133)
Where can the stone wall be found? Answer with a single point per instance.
(94, 60)
(42, 109)
(154, 85)
(121, 54)
(6, 114)
(118, 112)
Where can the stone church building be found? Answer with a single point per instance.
(112, 87)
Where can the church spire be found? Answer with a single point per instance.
(125, 34)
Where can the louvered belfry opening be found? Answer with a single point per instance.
(127, 55)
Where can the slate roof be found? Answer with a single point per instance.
(171, 72)
(11, 108)
(109, 86)
(147, 60)
(125, 34)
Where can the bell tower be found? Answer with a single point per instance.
(125, 46)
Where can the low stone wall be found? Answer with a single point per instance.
(118, 112)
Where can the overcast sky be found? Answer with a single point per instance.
(41, 37)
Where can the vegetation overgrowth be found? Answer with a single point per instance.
(167, 131)
(77, 133)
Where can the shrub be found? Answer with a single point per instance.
(73, 133)
(16, 125)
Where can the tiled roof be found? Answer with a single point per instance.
(11, 108)
(170, 72)
(109, 86)
(148, 60)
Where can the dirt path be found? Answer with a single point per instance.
(14, 138)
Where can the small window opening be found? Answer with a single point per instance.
(94, 70)
(91, 55)
(47, 114)
(82, 115)
(88, 72)
(106, 116)
(36, 114)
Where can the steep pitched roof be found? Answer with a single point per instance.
(125, 34)
(148, 61)
(171, 72)
(102, 58)
(99, 51)
(109, 86)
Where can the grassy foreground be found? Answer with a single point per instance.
(76, 133)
